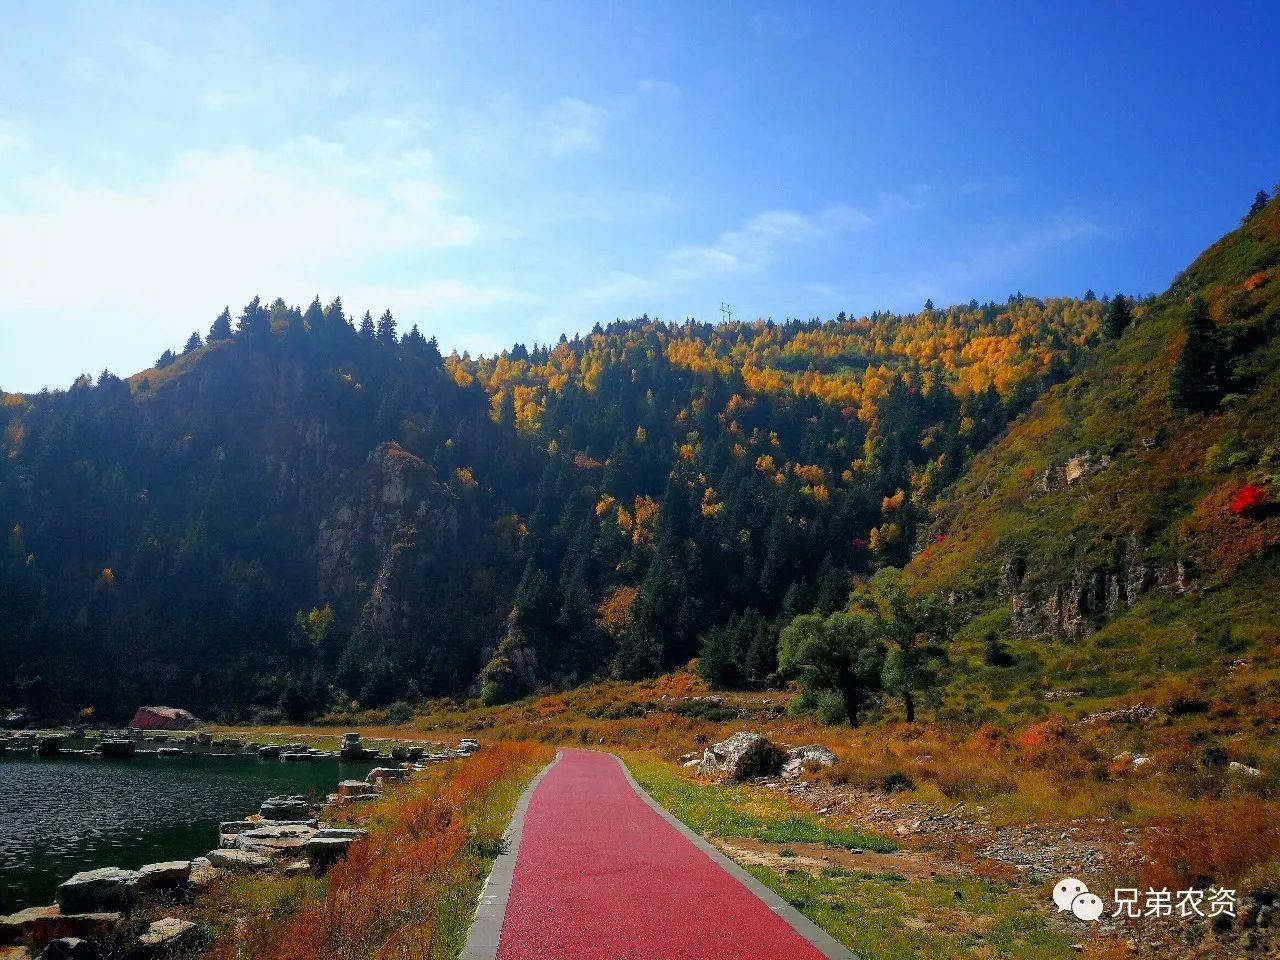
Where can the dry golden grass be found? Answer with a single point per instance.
(409, 890)
(1047, 771)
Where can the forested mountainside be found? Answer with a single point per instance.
(1119, 541)
(299, 511)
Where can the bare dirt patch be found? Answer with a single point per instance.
(814, 857)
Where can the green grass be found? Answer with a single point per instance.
(720, 810)
(879, 916)
(884, 917)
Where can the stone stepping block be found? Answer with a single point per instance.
(387, 775)
(169, 934)
(285, 808)
(353, 788)
(244, 860)
(170, 875)
(40, 925)
(105, 890)
(274, 838)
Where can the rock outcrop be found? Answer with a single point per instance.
(811, 756)
(740, 757)
(1063, 475)
(1085, 600)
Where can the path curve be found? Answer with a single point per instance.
(596, 869)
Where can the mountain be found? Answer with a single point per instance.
(1118, 543)
(303, 512)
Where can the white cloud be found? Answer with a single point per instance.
(757, 243)
(752, 247)
(576, 126)
(220, 227)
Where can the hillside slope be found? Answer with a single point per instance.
(304, 512)
(1120, 547)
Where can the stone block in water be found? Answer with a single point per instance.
(104, 890)
(387, 774)
(285, 808)
(274, 838)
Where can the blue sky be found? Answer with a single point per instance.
(503, 172)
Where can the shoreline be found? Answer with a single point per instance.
(293, 828)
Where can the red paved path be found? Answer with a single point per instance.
(601, 875)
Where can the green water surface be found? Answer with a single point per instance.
(71, 813)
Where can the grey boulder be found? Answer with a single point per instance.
(740, 757)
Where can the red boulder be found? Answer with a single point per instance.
(163, 718)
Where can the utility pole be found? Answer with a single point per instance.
(726, 312)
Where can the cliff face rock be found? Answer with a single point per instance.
(399, 503)
(1087, 599)
(1068, 474)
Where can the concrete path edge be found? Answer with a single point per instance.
(486, 928)
(822, 941)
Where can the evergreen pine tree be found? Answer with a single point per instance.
(1117, 318)
(432, 353)
(1195, 385)
(387, 329)
(193, 342)
(1259, 201)
(254, 321)
(313, 319)
(718, 660)
(165, 360)
(221, 329)
(366, 327)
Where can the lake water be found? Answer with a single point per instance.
(71, 813)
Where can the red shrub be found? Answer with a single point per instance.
(1247, 498)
